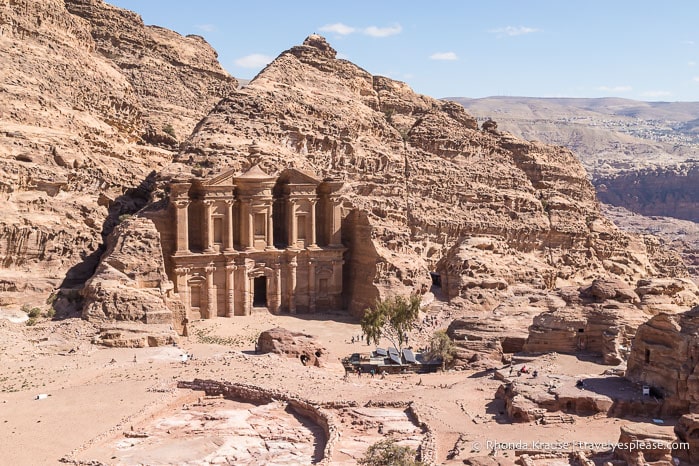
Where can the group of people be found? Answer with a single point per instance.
(524, 370)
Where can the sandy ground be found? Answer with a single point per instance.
(96, 394)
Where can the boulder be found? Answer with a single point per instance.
(292, 345)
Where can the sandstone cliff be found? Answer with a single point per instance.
(664, 356)
(427, 183)
(83, 109)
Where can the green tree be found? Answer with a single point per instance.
(389, 453)
(392, 319)
(441, 347)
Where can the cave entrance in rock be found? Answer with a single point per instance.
(436, 279)
(259, 298)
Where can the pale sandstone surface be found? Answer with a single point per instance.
(87, 389)
(83, 106)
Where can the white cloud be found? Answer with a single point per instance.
(695, 79)
(614, 88)
(688, 42)
(691, 63)
(206, 27)
(449, 56)
(374, 31)
(338, 28)
(656, 94)
(513, 31)
(255, 60)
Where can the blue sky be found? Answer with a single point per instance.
(645, 50)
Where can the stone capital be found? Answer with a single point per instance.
(231, 267)
(182, 270)
(210, 268)
(181, 203)
(229, 202)
(208, 202)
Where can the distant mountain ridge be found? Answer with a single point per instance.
(607, 134)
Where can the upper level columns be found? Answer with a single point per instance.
(292, 233)
(270, 228)
(313, 224)
(208, 223)
(230, 225)
(182, 227)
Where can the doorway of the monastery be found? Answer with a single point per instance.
(260, 292)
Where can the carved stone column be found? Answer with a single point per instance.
(312, 285)
(251, 226)
(270, 229)
(229, 225)
(291, 231)
(335, 219)
(182, 228)
(230, 289)
(210, 292)
(247, 301)
(276, 304)
(313, 225)
(182, 288)
(208, 223)
(292, 285)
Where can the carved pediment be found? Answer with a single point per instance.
(295, 176)
(224, 179)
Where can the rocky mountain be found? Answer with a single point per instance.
(608, 134)
(97, 101)
(642, 157)
(92, 102)
(429, 190)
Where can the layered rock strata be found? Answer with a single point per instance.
(85, 104)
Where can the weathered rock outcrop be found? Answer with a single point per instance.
(292, 345)
(643, 444)
(602, 318)
(687, 431)
(128, 288)
(88, 84)
(665, 356)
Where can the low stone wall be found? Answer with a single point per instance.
(428, 446)
(254, 394)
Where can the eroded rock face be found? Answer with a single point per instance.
(665, 356)
(292, 345)
(130, 283)
(88, 84)
(602, 318)
(687, 431)
(637, 435)
(426, 182)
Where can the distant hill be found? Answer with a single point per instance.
(608, 134)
